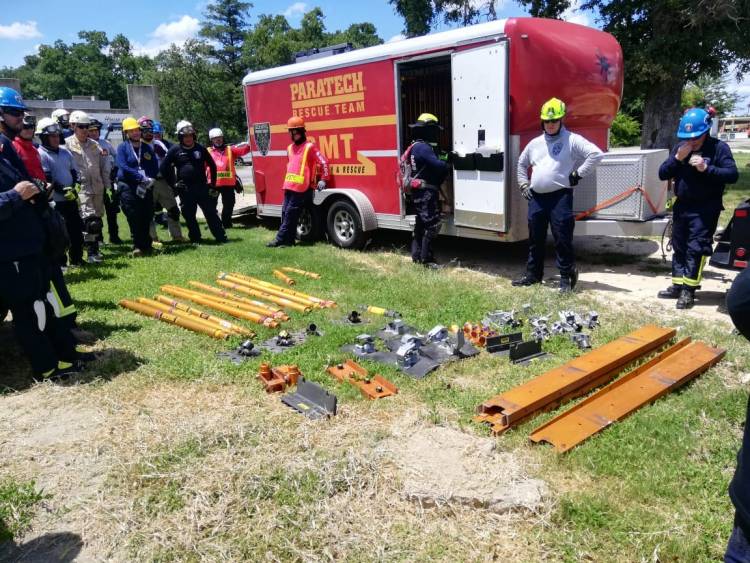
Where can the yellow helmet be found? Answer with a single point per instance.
(426, 119)
(552, 110)
(130, 123)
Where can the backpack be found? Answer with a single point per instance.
(406, 177)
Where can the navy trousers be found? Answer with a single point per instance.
(294, 203)
(43, 337)
(692, 244)
(190, 200)
(112, 207)
(427, 225)
(228, 200)
(138, 211)
(74, 225)
(554, 210)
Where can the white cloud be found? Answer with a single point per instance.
(399, 37)
(574, 14)
(167, 34)
(20, 30)
(295, 10)
(742, 88)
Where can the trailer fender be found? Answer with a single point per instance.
(360, 200)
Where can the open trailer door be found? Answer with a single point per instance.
(480, 133)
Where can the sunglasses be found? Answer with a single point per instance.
(552, 121)
(80, 126)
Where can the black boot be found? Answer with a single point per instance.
(686, 300)
(527, 280)
(672, 292)
(568, 281)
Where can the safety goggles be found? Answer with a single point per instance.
(29, 121)
(52, 130)
(13, 112)
(187, 131)
(552, 121)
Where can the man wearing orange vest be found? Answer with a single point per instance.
(227, 181)
(305, 162)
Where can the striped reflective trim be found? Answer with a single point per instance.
(697, 280)
(57, 305)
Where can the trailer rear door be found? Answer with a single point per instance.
(480, 132)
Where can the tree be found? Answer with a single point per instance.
(665, 45)
(225, 23)
(625, 131)
(707, 90)
(421, 15)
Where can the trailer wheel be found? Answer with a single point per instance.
(345, 226)
(308, 228)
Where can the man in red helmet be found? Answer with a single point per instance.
(300, 180)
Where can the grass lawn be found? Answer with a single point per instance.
(250, 480)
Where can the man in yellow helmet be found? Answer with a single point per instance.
(429, 173)
(558, 160)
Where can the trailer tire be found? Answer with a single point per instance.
(345, 226)
(309, 226)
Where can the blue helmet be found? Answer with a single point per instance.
(157, 127)
(694, 123)
(9, 98)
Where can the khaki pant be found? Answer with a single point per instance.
(164, 197)
(92, 204)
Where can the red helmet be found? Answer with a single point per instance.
(295, 122)
(145, 122)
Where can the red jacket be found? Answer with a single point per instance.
(30, 157)
(306, 163)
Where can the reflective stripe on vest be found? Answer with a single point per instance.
(226, 178)
(297, 181)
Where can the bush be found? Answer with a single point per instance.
(625, 131)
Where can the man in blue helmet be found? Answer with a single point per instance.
(701, 167)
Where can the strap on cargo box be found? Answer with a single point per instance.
(624, 195)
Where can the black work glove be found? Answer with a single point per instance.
(179, 188)
(239, 189)
(526, 192)
(574, 178)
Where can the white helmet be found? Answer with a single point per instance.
(181, 125)
(45, 122)
(59, 112)
(80, 117)
(215, 132)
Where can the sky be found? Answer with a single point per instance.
(152, 25)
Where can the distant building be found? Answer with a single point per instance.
(142, 100)
(734, 127)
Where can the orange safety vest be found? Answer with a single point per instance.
(298, 173)
(226, 178)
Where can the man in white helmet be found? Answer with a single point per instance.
(93, 170)
(62, 118)
(227, 181)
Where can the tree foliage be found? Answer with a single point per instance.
(625, 131)
(707, 90)
(420, 16)
(225, 25)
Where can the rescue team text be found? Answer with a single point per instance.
(341, 94)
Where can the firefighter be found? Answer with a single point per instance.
(432, 171)
(227, 181)
(558, 159)
(301, 173)
(24, 145)
(184, 169)
(137, 169)
(62, 118)
(111, 199)
(93, 171)
(12, 111)
(163, 195)
(60, 171)
(700, 166)
(738, 547)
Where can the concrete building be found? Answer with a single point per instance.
(142, 100)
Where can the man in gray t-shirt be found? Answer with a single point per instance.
(558, 160)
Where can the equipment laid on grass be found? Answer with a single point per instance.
(185, 321)
(311, 400)
(271, 288)
(283, 277)
(666, 372)
(500, 345)
(240, 354)
(311, 275)
(277, 379)
(372, 387)
(211, 325)
(478, 334)
(225, 280)
(380, 311)
(256, 306)
(503, 319)
(571, 380)
(230, 308)
(285, 340)
(524, 352)
(225, 325)
(394, 328)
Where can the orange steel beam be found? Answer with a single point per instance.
(372, 387)
(571, 380)
(645, 384)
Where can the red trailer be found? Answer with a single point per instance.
(486, 84)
